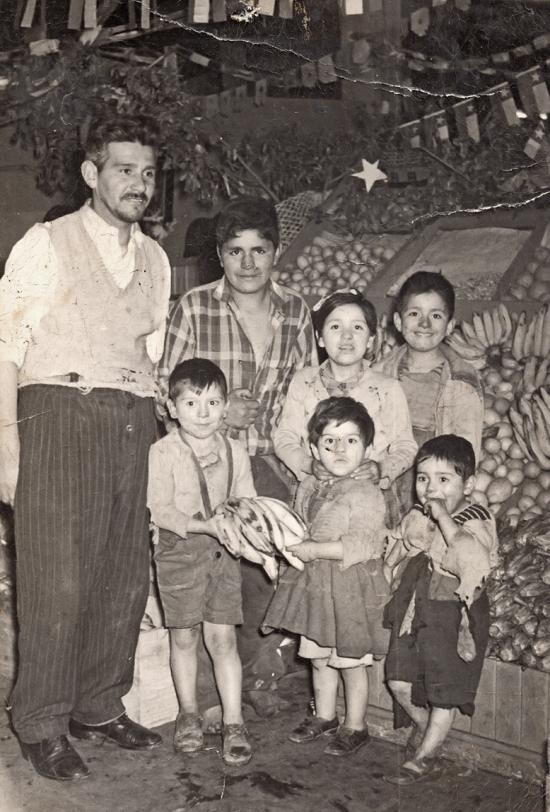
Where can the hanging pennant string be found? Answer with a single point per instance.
(90, 13)
(28, 14)
(76, 10)
(145, 20)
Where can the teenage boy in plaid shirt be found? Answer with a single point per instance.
(259, 333)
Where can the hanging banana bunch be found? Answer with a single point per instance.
(531, 336)
(385, 339)
(536, 373)
(531, 424)
(486, 340)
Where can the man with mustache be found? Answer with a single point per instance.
(85, 299)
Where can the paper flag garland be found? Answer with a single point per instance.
(309, 74)
(467, 121)
(286, 9)
(219, 12)
(533, 91)
(76, 10)
(370, 174)
(534, 143)
(412, 131)
(326, 70)
(199, 11)
(503, 102)
(351, 6)
(420, 21)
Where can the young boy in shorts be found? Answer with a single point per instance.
(192, 471)
(439, 637)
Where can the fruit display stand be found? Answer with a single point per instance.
(488, 256)
(321, 255)
(482, 254)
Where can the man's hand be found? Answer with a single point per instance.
(305, 551)
(9, 467)
(242, 409)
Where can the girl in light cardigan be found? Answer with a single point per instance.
(345, 326)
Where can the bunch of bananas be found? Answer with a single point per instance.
(487, 335)
(260, 528)
(536, 373)
(531, 422)
(532, 336)
(385, 339)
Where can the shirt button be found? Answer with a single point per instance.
(129, 427)
(217, 554)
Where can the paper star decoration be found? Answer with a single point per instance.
(370, 174)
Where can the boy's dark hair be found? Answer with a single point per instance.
(453, 449)
(198, 374)
(426, 282)
(340, 410)
(248, 213)
(322, 310)
(134, 129)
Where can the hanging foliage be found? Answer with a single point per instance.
(51, 101)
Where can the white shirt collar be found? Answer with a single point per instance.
(97, 227)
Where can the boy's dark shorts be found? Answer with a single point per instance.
(198, 580)
(439, 677)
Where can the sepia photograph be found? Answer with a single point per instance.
(275, 405)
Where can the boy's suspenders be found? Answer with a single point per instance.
(202, 481)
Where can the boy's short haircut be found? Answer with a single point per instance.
(198, 374)
(113, 129)
(453, 449)
(322, 310)
(426, 282)
(248, 213)
(340, 410)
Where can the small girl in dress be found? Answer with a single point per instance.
(336, 603)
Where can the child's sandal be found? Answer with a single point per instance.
(188, 735)
(237, 749)
(416, 770)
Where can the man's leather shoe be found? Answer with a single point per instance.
(55, 758)
(121, 731)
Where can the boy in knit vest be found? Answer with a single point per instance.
(85, 299)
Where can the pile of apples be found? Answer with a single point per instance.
(327, 265)
(534, 282)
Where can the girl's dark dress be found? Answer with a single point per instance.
(338, 604)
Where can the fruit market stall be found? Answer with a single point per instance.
(488, 256)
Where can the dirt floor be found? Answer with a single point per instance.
(281, 776)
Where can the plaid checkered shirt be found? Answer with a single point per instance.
(205, 323)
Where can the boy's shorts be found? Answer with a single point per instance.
(198, 580)
(310, 650)
(439, 677)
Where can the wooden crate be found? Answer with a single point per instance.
(534, 222)
(152, 700)
(509, 729)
